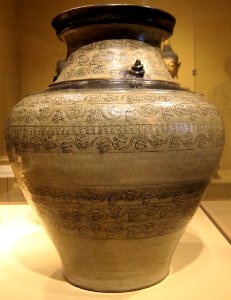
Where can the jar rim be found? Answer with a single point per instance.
(113, 14)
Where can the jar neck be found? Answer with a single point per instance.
(114, 59)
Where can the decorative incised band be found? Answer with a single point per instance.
(149, 97)
(121, 213)
(113, 59)
(126, 113)
(102, 139)
(159, 193)
(93, 126)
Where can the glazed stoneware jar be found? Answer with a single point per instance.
(114, 156)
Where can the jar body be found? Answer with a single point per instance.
(114, 174)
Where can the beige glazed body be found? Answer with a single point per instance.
(114, 160)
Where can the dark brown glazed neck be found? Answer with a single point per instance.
(87, 24)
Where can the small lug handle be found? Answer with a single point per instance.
(137, 69)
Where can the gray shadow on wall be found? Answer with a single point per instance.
(220, 95)
(187, 251)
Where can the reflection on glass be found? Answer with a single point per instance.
(171, 59)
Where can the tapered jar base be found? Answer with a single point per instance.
(114, 287)
(116, 265)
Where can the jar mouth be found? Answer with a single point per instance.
(114, 14)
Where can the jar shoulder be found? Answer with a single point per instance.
(113, 96)
(91, 106)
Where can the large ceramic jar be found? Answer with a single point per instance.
(114, 156)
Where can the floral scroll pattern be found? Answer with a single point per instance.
(112, 59)
(114, 113)
(115, 122)
(119, 214)
(104, 139)
(74, 98)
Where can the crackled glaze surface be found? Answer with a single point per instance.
(114, 174)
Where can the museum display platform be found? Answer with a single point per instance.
(30, 267)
